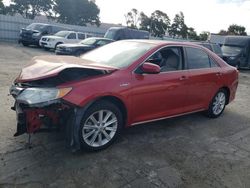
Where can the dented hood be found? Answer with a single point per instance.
(47, 66)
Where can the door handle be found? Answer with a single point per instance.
(183, 78)
(218, 74)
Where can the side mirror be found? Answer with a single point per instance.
(150, 68)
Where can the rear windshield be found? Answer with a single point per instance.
(88, 41)
(118, 54)
(110, 34)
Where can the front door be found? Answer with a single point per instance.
(160, 95)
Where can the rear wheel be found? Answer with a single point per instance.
(100, 126)
(217, 105)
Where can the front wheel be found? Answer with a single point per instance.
(100, 126)
(217, 105)
(25, 44)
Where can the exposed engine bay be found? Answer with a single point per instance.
(39, 105)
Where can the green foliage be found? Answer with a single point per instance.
(191, 34)
(236, 30)
(178, 27)
(222, 32)
(157, 24)
(160, 23)
(145, 22)
(78, 12)
(30, 8)
(204, 35)
(132, 18)
(2, 7)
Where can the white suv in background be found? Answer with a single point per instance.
(61, 37)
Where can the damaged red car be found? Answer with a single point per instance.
(122, 84)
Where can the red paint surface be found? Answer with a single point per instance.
(151, 96)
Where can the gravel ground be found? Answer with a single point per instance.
(189, 151)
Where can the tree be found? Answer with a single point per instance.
(132, 18)
(30, 8)
(160, 23)
(178, 27)
(191, 34)
(204, 35)
(157, 24)
(236, 30)
(222, 32)
(2, 7)
(145, 22)
(78, 12)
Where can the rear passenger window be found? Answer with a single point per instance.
(81, 36)
(197, 59)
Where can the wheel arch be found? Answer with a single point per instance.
(57, 43)
(228, 93)
(116, 101)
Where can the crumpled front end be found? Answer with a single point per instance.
(39, 109)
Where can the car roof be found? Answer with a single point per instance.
(100, 38)
(164, 42)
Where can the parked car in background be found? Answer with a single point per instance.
(213, 47)
(121, 84)
(81, 47)
(121, 33)
(51, 41)
(33, 33)
(236, 51)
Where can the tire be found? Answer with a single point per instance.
(57, 45)
(95, 135)
(78, 53)
(25, 44)
(237, 66)
(218, 104)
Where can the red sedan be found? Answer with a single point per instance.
(122, 84)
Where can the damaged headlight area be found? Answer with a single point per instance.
(33, 96)
(39, 109)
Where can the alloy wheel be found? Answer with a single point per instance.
(99, 128)
(219, 103)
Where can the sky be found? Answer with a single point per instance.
(203, 15)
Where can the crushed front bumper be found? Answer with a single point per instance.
(47, 116)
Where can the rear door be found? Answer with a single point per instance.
(204, 75)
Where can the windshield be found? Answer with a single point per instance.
(110, 34)
(118, 54)
(88, 41)
(34, 26)
(231, 50)
(62, 34)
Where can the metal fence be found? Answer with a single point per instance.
(10, 27)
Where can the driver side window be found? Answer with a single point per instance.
(169, 59)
